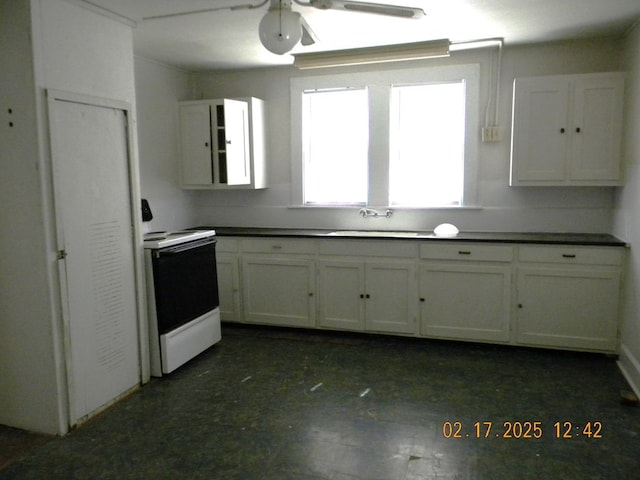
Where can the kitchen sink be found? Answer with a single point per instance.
(372, 233)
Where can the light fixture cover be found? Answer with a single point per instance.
(362, 56)
(280, 30)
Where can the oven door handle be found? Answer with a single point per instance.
(186, 246)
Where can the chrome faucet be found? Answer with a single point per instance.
(369, 212)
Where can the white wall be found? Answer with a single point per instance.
(503, 208)
(45, 44)
(627, 220)
(28, 374)
(158, 89)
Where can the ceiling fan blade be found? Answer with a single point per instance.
(247, 6)
(369, 7)
(308, 36)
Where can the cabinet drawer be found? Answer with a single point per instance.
(571, 255)
(368, 248)
(466, 251)
(279, 245)
(227, 245)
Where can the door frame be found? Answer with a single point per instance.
(53, 96)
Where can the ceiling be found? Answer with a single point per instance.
(228, 39)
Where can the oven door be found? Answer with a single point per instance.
(185, 283)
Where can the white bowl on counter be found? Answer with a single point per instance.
(446, 230)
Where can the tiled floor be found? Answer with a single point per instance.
(17, 444)
(284, 404)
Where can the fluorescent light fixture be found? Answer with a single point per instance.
(362, 56)
(390, 10)
(481, 43)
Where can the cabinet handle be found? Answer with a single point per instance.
(311, 294)
(228, 142)
(367, 296)
(206, 144)
(519, 305)
(421, 299)
(568, 255)
(464, 252)
(562, 130)
(362, 295)
(276, 247)
(578, 130)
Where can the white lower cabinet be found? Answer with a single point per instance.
(390, 298)
(229, 286)
(279, 291)
(228, 270)
(278, 278)
(465, 292)
(368, 285)
(371, 296)
(556, 296)
(341, 294)
(568, 297)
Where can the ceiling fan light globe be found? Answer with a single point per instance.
(280, 30)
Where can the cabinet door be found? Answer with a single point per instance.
(540, 130)
(391, 297)
(229, 287)
(597, 129)
(195, 143)
(467, 302)
(233, 143)
(341, 294)
(279, 291)
(568, 307)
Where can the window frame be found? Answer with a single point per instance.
(379, 85)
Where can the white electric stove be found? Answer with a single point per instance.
(182, 296)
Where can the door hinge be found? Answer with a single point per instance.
(61, 255)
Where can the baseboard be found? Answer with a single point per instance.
(630, 368)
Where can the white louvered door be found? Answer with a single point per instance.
(93, 208)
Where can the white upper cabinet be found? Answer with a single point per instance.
(567, 130)
(222, 144)
(195, 139)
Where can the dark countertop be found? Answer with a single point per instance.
(592, 239)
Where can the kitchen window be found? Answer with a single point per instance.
(401, 138)
(335, 146)
(426, 158)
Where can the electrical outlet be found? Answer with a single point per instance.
(491, 134)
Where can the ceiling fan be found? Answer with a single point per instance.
(281, 28)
